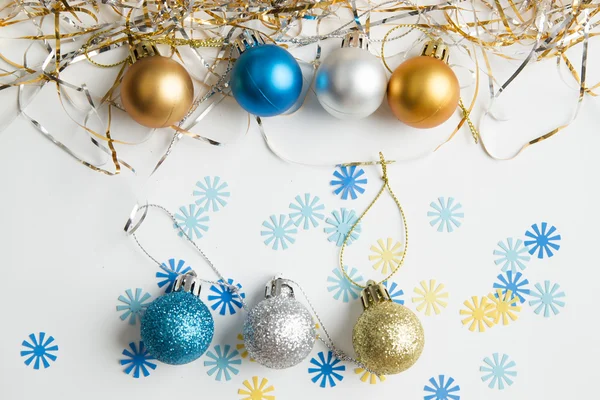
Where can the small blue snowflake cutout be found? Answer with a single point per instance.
(499, 371)
(306, 211)
(395, 292)
(512, 255)
(211, 193)
(134, 305)
(39, 349)
(340, 225)
(191, 221)
(446, 214)
(342, 287)
(171, 272)
(326, 371)
(514, 283)
(543, 240)
(279, 232)
(138, 360)
(441, 389)
(223, 361)
(225, 299)
(547, 299)
(349, 181)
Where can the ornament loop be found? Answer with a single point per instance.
(386, 184)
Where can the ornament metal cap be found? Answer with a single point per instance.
(188, 282)
(374, 293)
(278, 286)
(356, 39)
(247, 40)
(436, 49)
(139, 50)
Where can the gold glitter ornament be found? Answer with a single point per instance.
(388, 338)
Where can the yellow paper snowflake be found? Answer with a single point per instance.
(430, 297)
(477, 314)
(504, 306)
(256, 391)
(241, 347)
(369, 377)
(388, 256)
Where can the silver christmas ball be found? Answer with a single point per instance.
(279, 332)
(351, 83)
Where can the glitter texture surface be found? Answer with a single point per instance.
(177, 328)
(279, 332)
(388, 338)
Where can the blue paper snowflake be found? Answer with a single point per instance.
(171, 272)
(211, 193)
(134, 306)
(225, 299)
(442, 389)
(341, 223)
(498, 371)
(514, 283)
(279, 232)
(306, 211)
(342, 286)
(544, 240)
(395, 292)
(547, 298)
(446, 214)
(138, 359)
(223, 362)
(349, 181)
(327, 371)
(39, 349)
(512, 255)
(191, 221)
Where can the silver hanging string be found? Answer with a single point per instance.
(131, 227)
(328, 342)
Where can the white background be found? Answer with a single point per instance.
(66, 258)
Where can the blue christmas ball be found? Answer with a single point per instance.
(177, 328)
(266, 80)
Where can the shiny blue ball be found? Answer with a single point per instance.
(177, 328)
(266, 80)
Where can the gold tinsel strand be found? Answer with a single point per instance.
(483, 29)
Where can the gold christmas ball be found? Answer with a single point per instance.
(388, 338)
(423, 92)
(157, 91)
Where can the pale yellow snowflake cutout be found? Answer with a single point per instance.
(477, 313)
(388, 256)
(255, 390)
(504, 306)
(430, 297)
(368, 376)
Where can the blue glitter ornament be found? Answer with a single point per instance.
(177, 328)
(266, 80)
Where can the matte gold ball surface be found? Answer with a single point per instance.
(423, 92)
(388, 338)
(157, 91)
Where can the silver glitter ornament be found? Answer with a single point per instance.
(279, 332)
(351, 82)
